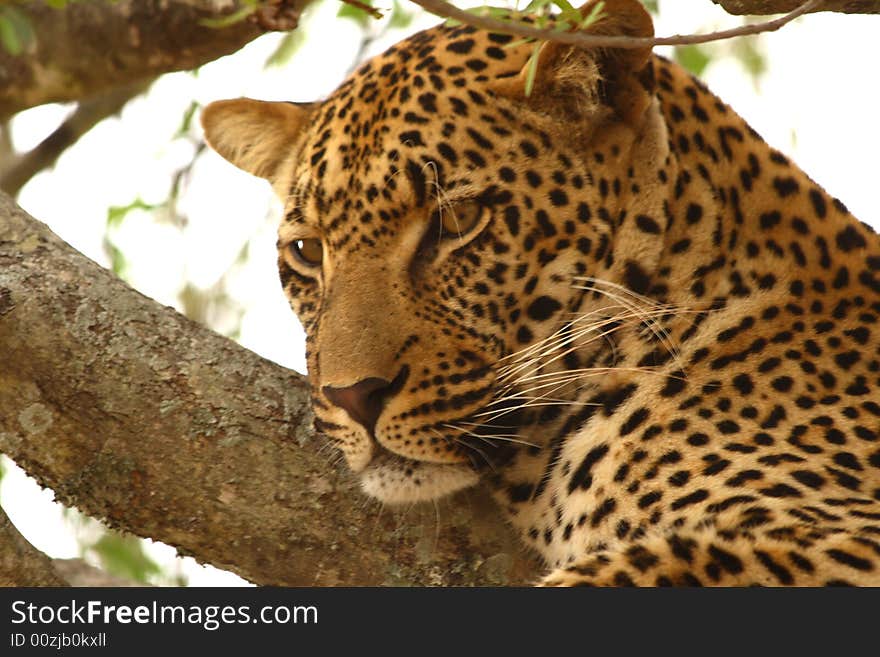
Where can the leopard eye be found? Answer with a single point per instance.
(460, 218)
(309, 251)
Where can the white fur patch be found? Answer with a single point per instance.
(393, 480)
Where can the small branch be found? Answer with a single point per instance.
(762, 7)
(21, 564)
(79, 573)
(446, 10)
(364, 7)
(15, 172)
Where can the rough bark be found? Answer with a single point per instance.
(20, 563)
(92, 46)
(763, 7)
(136, 415)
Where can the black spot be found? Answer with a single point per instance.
(848, 239)
(728, 561)
(808, 478)
(648, 499)
(694, 213)
(728, 427)
(801, 563)
(511, 218)
(462, 47)
(520, 492)
(692, 498)
(636, 278)
(785, 186)
(819, 204)
(851, 560)
(781, 490)
(743, 383)
(582, 477)
(634, 420)
(674, 385)
(558, 197)
(543, 308)
(616, 397)
(782, 383)
(417, 178)
(605, 509)
(770, 219)
(847, 359)
(782, 574)
(647, 224)
(528, 148)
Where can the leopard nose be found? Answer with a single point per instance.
(363, 401)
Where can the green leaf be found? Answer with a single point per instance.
(117, 213)
(569, 13)
(9, 37)
(360, 16)
(287, 48)
(230, 19)
(186, 120)
(651, 6)
(519, 42)
(400, 17)
(533, 69)
(693, 58)
(751, 58)
(118, 261)
(16, 33)
(595, 14)
(124, 556)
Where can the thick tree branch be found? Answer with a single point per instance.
(485, 21)
(763, 7)
(89, 47)
(134, 414)
(20, 563)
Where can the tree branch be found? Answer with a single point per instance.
(446, 10)
(163, 428)
(89, 47)
(762, 7)
(20, 563)
(77, 572)
(16, 171)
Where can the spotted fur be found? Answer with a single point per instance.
(652, 335)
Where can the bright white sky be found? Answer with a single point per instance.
(818, 102)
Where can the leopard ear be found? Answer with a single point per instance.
(578, 81)
(254, 135)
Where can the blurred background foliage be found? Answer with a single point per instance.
(212, 304)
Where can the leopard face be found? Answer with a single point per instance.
(609, 299)
(433, 229)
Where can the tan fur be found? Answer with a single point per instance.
(657, 344)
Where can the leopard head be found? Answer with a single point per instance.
(435, 218)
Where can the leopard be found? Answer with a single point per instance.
(576, 277)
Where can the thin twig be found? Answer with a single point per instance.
(18, 170)
(363, 6)
(446, 10)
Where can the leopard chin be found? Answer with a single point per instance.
(394, 480)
